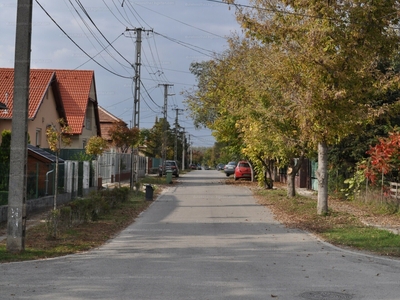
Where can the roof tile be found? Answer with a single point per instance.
(74, 88)
(40, 80)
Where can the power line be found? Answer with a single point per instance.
(93, 35)
(110, 44)
(98, 53)
(181, 21)
(80, 48)
(187, 45)
(132, 8)
(273, 10)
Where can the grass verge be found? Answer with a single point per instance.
(85, 236)
(339, 228)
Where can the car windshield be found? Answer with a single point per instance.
(232, 163)
(169, 163)
(244, 165)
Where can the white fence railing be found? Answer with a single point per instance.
(113, 165)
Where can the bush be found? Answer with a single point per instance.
(83, 210)
(121, 193)
(52, 222)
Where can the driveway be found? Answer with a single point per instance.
(202, 239)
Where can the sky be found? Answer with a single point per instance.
(175, 34)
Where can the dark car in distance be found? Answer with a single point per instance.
(229, 169)
(220, 167)
(169, 165)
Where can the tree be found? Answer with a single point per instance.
(123, 137)
(58, 135)
(251, 116)
(332, 64)
(152, 140)
(384, 158)
(96, 146)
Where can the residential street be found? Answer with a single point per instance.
(202, 239)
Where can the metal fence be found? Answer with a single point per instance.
(75, 176)
(116, 167)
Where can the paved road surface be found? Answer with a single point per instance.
(205, 240)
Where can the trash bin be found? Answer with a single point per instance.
(149, 192)
(168, 176)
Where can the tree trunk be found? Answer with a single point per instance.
(55, 184)
(291, 188)
(291, 176)
(322, 177)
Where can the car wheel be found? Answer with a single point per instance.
(177, 175)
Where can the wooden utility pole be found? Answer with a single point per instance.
(176, 133)
(136, 100)
(183, 149)
(16, 216)
(164, 144)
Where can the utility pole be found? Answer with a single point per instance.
(136, 99)
(176, 133)
(183, 149)
(190, 151)
(164, 144)
(16, 215)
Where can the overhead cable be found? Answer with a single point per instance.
(80, 48)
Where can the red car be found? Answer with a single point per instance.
(242, 170)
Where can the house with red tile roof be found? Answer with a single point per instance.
(45, 105)
(107, 121)
(78, 94)
(55, 94)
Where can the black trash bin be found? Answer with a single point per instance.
(149, 192)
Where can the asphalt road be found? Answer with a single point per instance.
(202, 239)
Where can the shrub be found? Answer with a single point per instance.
(52, 222)
(83, 210)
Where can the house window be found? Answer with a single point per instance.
(84, 143)
(38, 136)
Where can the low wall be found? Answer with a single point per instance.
(42, 204)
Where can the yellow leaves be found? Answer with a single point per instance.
(340, 95)
(58, 135)
(96, 145)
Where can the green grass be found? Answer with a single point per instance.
(28, 254)
(157, 180)
(338, 228)
(365, 238)
(82, 237)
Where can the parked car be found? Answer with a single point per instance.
(229, 169)
(193, 167)
(242, 170)
(220, 167)
(169, 165)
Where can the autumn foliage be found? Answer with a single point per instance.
(123, 137)
(384, 157)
